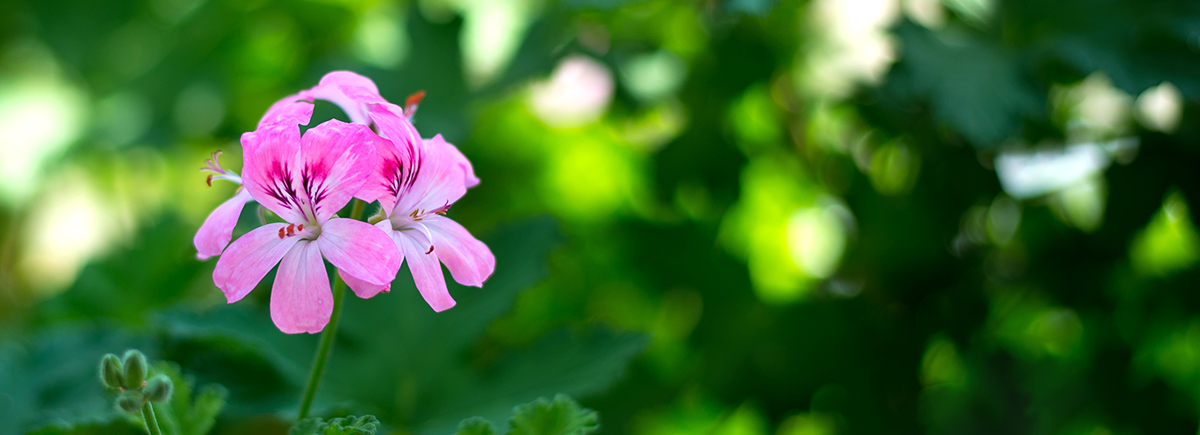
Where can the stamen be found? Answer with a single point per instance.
(430, 250)
(442, 210)
(411, 103)
(300, 227)
(218, 172)
(291, 230)
(281, 233)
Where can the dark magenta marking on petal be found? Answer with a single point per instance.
(279, 178)
(313, 178)
(395, 174)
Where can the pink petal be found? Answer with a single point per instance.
(336, 159)
(387, 178)
(291, 110)
(362, 288)
(349, 91)
(270, 168)
(392, 124)
(440, 181)
(458, 157)
(425, 268)
(348, 78)
(248, 260)
(397, 157)
(301, 300)
(469, 260)
(361, 250)
(217, 231)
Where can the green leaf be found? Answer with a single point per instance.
(475, 426)
(563, 416)
(364, 425)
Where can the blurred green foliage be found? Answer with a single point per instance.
(725, 217)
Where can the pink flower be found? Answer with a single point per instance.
(217, 230)
(305, 180)
(416, 181)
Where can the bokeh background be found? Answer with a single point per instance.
(710, 217)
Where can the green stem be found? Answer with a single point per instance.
(151, 421)
(323, 351)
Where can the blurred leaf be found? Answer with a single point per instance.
(972, 85)
(50, 380)
(183, 414)
(364, 425)
(475, 426)
(563, 416)
(271, 365)
(130, 282)
(560, 363)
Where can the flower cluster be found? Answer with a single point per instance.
(305, 178)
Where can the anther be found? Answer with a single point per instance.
(411, 103)
(291, 230)
(209, 180)
(300, 227)
(430, 250)
(281, 233)
(414, 98)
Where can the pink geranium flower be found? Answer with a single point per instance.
(416, 181)
(306, 180)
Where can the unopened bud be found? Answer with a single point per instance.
(130, 401)
(110, 371)
(135, 369)
(159, 388)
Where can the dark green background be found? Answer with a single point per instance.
(766, 241)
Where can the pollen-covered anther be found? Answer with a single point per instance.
(281, 233)
(291, 230)
(300, 227)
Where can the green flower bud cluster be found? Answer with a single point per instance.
(128, 375)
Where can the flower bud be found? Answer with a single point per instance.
(110, 371)
(130, 401)
(135, 369)
(159, 388)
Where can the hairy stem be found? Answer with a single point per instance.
(151, 421)
(323, 351)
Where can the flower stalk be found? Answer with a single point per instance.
(151, 421)
(326, 346)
